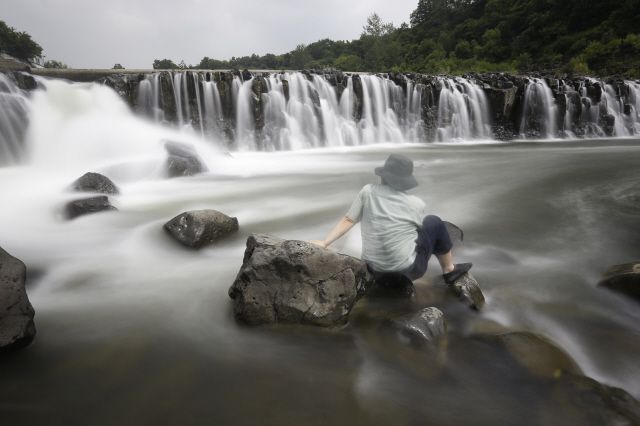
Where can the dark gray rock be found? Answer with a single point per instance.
(95, 182)
(295, 282)
(77, 208)
(199, 228)
(17, 328)
(467, 290)
(417, 328)
(183, 160)
(624, 278)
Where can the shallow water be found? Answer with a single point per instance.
(135, 329)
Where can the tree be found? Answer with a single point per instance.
(300, 57)
(165, 64)
(18, 44)
(382, 50)
(117, 67)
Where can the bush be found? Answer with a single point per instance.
(55, 64)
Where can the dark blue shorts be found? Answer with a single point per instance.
(433, 238)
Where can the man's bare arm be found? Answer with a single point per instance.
(341, 228)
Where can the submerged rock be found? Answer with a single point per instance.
(183, 160)
(536, 353)
(77, 208)
(624, 279)
(295, 282)
(417, 328)
(17, 328)
(95, 182)
(580, 400)
(199, 228)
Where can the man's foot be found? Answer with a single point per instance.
(458, 271)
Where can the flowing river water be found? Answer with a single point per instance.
(135, 329)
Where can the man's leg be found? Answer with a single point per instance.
(433, 238)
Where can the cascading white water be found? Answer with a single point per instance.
(149, 97)
(539, 110)
(245, 134)
(212, 108)
(463, 111)
(14, 107)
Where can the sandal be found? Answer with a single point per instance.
(458, 270)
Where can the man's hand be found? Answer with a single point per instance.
(320, 243)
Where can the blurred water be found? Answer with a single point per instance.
(133, 328)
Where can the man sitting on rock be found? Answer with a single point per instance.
(395, 236)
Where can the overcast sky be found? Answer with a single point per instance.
(98, 34)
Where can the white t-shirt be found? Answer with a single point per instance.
(390, 223)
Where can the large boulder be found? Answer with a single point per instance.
(17, 328)
(199, 228)
(77, 208)
(183, 160)
(295, 282)
(95, 182)
(624, 279)
(417, 328)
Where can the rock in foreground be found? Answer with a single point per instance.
(199, 228)
(295, 282)
(88, 205)
(418, 328)
(95, 182)
(624, 279)
(467, 290)
(16, 313)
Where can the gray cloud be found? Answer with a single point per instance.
(98, 34)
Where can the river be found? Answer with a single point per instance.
(135, 329)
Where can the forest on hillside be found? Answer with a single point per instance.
(599, 37)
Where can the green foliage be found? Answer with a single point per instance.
(300, 57)
(118, 67)
(458, 36)
(18, 44)
(348, 63)
(55, 64)
(165, 64)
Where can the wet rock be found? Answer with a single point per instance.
(183, 160)
(17, 328)
(417, 328)
(199, 228)
(391, 286)
(580, 400)
(246, 75)
(358, 97)
(285, 89)
(502, 105)
(467, 291)
(624, 278)
(85, 206)
(295, 282)
(536, 353)
(95, 182)
(22, 80)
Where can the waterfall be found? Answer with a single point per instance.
(14, 119)
(539, 111)
(463, 111)
(301, 110)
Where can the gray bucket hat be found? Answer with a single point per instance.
(397, 172)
